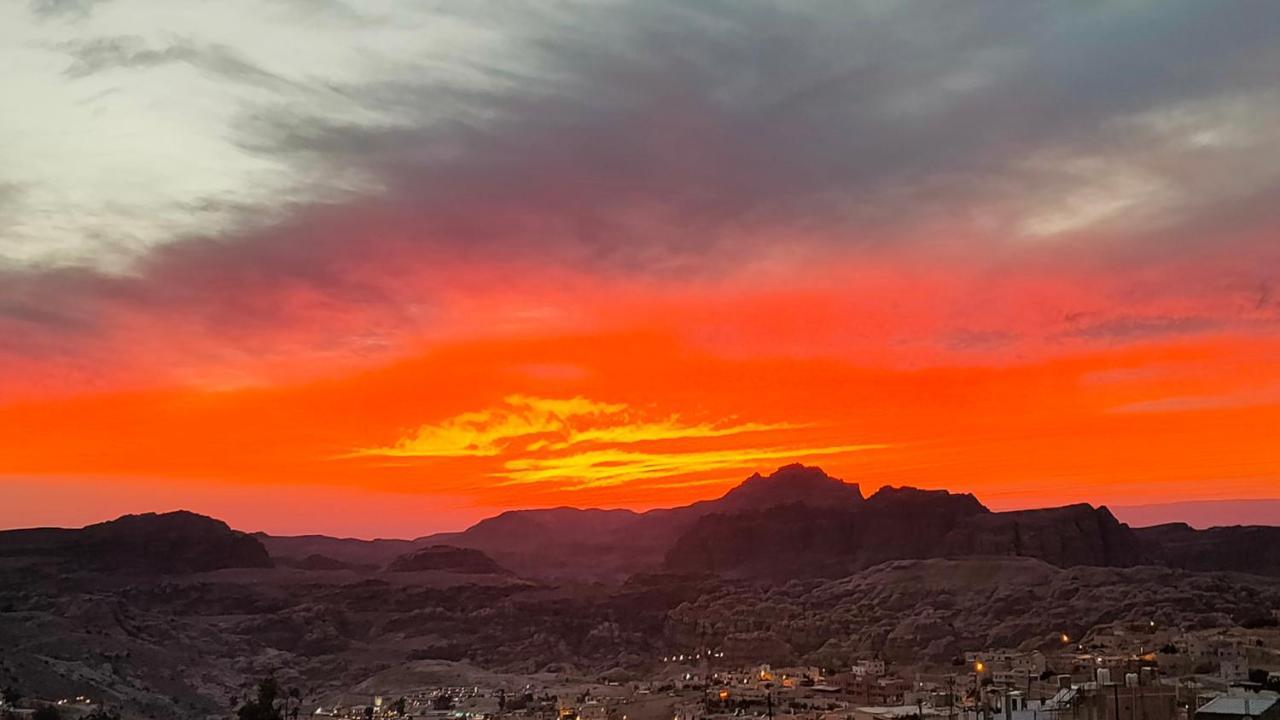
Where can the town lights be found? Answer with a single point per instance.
(1065, 638)
(979, 667)
(724, 695)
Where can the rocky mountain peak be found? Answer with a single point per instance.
(791, 484)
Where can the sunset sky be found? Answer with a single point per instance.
(388, 267)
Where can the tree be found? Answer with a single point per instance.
(11, 696)
(292, 702)
(102, 714)
(47, 712)
(262, 707)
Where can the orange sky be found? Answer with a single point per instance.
(664, 396)
(326, 269)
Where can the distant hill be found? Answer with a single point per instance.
(1202, 513)
(165, 543)
(448, 559)
(296, 548)
(1241, 548)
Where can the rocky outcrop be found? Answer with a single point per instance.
(447, 559)
(1065, 537)
(787, 485)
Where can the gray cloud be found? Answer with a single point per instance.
(55, 8)
(660, 137)
(844, 117)
(102, 54)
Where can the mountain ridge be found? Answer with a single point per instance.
(795, 522)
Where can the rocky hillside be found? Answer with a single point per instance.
(934, 609)
(181, 646)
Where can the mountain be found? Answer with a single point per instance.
(592, 544)
(797, 540)
(448, 559)
(800, 522)
(896, 524)
(1241, 548)
(150, 543)
(292, 549)
(809, 486)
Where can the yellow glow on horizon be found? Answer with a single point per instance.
(604, 468)
(578, 443)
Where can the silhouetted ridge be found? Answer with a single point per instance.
(803, 541)
(1235, 548)
(160, 543)
(898, 524)
(790, 484)
(798, 521)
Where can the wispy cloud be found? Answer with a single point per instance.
(578, 443)
(1255, 397)
(535, 423)
(610, 467)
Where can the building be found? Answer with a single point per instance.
(872, 690)
(1245, 707)
(1130, 701)
(870, 668)
(896, 712)
(1090, 701)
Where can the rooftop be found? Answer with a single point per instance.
(1242, 706)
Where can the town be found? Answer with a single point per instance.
(1116, 673)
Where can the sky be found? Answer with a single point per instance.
(384, 268)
